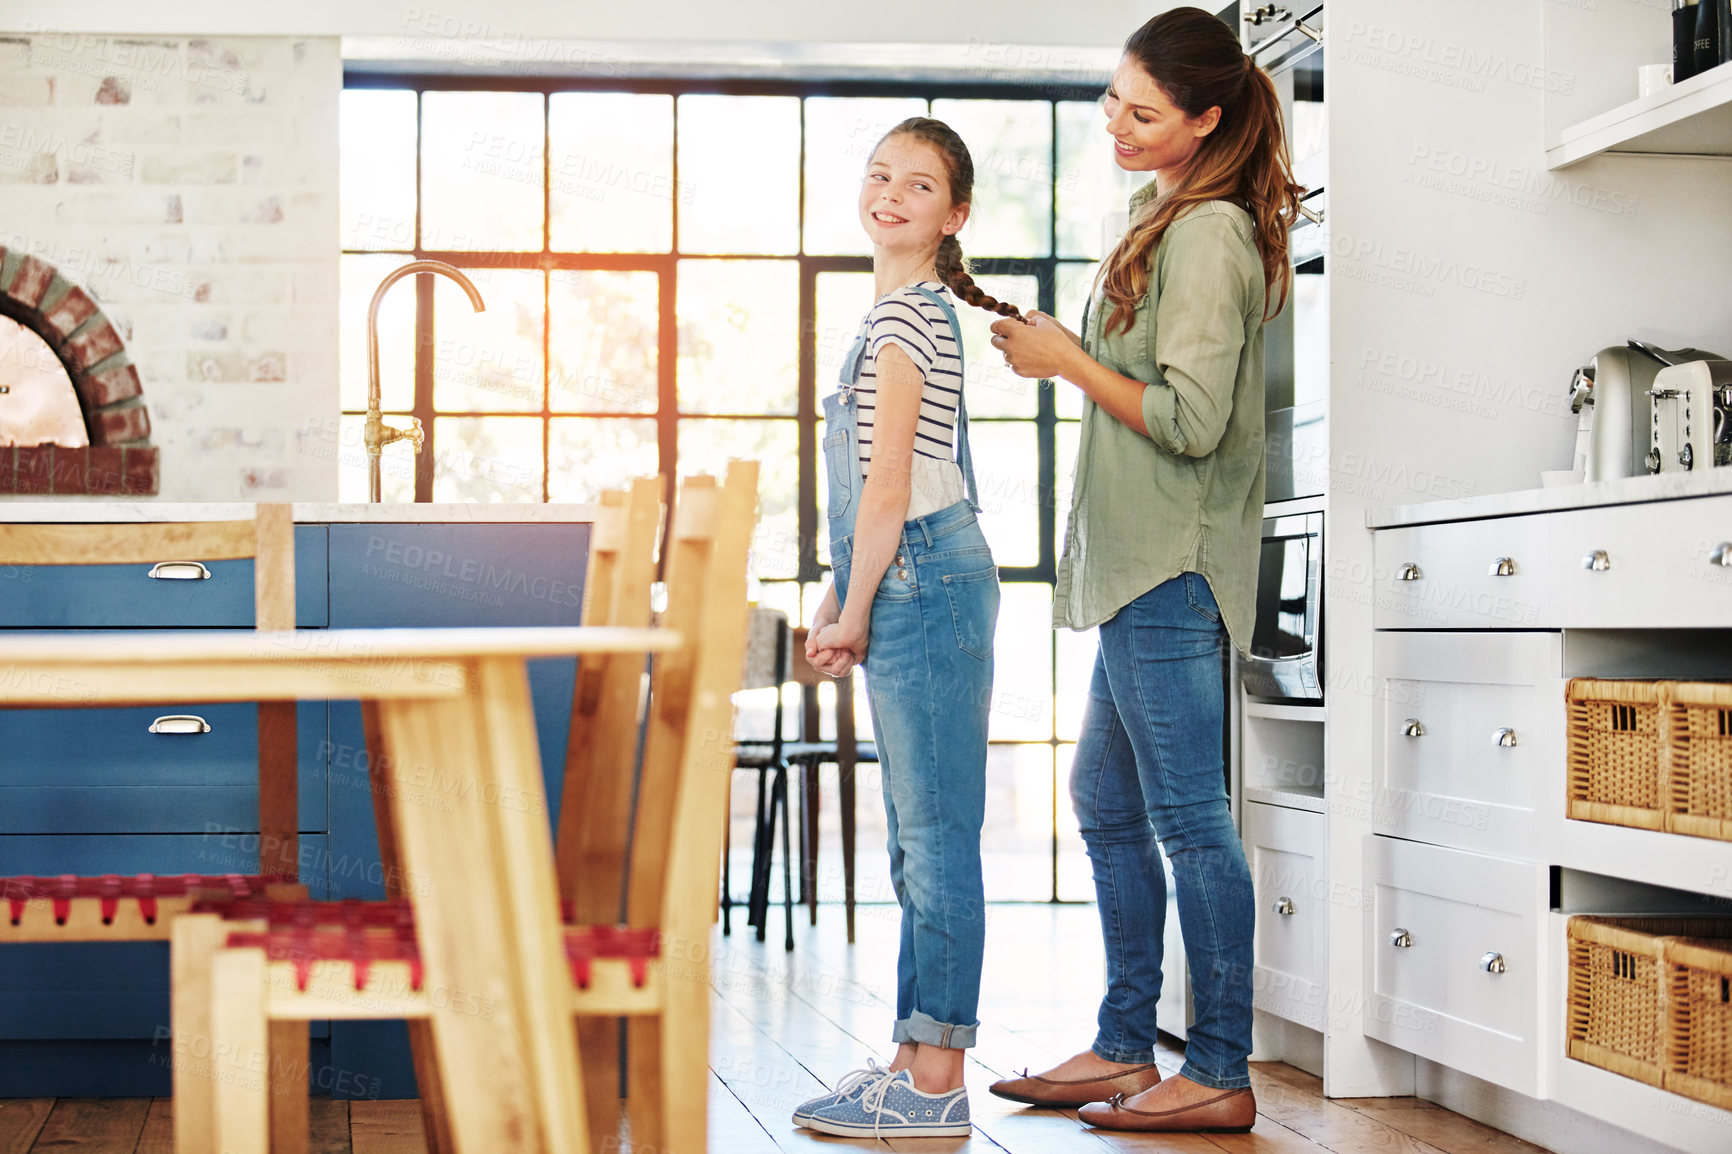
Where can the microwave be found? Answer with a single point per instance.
(1285, 660)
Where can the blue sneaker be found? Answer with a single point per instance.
(851, 1086)
(892, 1108)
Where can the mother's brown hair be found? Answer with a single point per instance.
(1196, 60)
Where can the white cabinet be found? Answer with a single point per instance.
(1469, 731)
(1653, 565)
(1288, 874)
(1456, 959)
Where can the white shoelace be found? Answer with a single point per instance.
(855, 1079)
(873, 1100)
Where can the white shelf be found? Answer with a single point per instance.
(1274, 712)
(1696, 864)
(1691, 118)
(1289, 798)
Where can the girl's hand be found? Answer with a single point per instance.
(833, 662)
(847, 635)
(1039, 348)
(821, 620)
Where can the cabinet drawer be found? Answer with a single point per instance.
(126, 597)
(1433, 918)
(104, 771)
(1657, 569)
(1448, 577)
(1468, 733)
(1288, 875)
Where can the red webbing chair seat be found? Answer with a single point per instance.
(69, 901)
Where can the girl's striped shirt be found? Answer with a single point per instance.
(919, 328)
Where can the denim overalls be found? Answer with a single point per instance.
(929, 681)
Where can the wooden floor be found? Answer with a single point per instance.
(787, 1025)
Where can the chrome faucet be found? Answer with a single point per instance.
(377, 434)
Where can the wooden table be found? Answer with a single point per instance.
(465, 791)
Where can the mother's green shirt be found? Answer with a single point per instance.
(1185, 492)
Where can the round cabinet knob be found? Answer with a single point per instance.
(1410, 572)
(1722, 554)
(1505, 737)
(1502, 567)
(1598, 561)
(1400, 939)
(1284, 906)
(1412, 728)
(1493, 963)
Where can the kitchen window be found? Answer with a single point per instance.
(673, 272)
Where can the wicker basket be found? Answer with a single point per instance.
(1616, 773)
(1699, 733)
(1699, 1019)
(1617, 993)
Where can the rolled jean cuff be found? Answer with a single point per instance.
(1124, 1057)
(1214, 1082)
(929, 1031)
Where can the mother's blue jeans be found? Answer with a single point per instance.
(1148, 767)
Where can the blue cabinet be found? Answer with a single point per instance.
(81, 1019)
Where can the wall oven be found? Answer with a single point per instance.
(1285, 660)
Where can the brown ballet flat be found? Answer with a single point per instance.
(1229, 1112)
(1067, 1094)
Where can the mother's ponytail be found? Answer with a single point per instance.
(1196, 59)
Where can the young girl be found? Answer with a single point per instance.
(915, 597)
(1161, 553)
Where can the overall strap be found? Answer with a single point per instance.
(965, 456)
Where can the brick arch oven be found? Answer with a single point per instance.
(119, 460)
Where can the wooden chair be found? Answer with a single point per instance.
(595, 808)
(260, 978)
(603, 743)
(766, 668)
(655, 971)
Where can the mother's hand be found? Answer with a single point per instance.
(1039, 347)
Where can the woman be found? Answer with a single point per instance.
(1161, 553)
(916, 598)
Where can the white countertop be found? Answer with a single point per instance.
(1630, 490)
(306, 512)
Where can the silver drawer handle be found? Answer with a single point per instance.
(1410, 572)
(1401, 939)
(179, 571)
(1598, 561)
(180, 723)
(1722, 554)
(1493, 963)
(1502, 567)
(1412, 728)
(1505, 737)
(1284, 907)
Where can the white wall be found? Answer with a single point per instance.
(1029, 22)
(191, 188)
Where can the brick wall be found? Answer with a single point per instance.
(190, 187)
